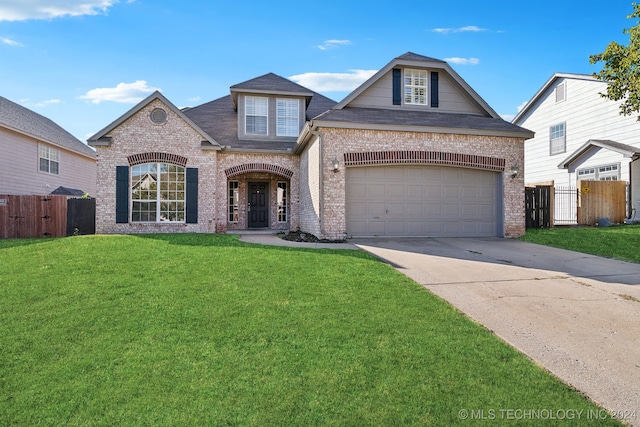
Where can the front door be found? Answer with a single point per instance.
(258, 207)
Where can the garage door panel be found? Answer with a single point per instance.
(421, 201)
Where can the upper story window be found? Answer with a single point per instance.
(557, 139)
(288, 116)
(256, 115)
(415, 86)
(49, 159)
(561, 92)
(157, 193)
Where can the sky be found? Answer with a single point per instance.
(84, 63)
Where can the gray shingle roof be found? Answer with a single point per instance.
(272, 83)
(22, 119)
(219, 119)
(376, 116)
(410, 56)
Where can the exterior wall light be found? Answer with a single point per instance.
(335, 164)
(514, 171)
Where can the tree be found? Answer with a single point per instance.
(621, 68)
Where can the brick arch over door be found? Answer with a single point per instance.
(157, 157)
(258, 167)
(424, 158)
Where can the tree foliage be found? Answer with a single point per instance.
(621, 69)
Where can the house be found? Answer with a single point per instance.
(579, 135)
(413, 151)
(37, 156)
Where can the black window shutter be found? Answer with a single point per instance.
(434, 89)
(122, 194)
(191, 197)
(397, 87)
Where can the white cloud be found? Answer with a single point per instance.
(195, 99)
(21, 10)
(463, 61)
(521, 106)
(333, 82)
(28, 103)
(10, 42)
(467, 29)
(126, 93)
(330, 44)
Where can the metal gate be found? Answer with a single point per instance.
(565, 206)
(538, 206)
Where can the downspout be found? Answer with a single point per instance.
(321, 177)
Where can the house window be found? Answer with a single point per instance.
(49, 159)
(600, 173)
(157, 193)
(415, 86)
(287, 117)
(561, 92)
(557, 139)
(234, 196)
(256, 108)
(282, 202)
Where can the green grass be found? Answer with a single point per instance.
(192, 330)
(620, 242)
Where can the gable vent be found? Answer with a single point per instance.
(158, 116)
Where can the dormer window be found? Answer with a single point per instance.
(256, 115)
(288, 116)
(415, 86)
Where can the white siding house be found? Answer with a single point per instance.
(579, 135)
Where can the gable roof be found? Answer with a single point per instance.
(66, 191)
(624, 149)
(94, 140)
(22, 120)
(220, 120)
(549, 83)
(270, 84)
(411, 59)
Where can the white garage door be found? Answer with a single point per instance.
(422, 201)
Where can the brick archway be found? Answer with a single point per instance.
(425, 158)
(258, 167)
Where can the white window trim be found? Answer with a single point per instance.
(233, 200)
(265, 115)
(51, 155)
(285, 206)
(409, 89)
(563, 138)
(597, 174)
(287, 130)
(158, 200)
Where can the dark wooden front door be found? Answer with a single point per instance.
(258, 205)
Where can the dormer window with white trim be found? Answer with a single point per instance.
(415, 86)
(287, 117)
(256, 115)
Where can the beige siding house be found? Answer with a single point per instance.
(38, 157)
(414, 151)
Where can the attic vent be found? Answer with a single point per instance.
(158, 116)
(561, 92)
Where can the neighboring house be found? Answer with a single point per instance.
(37, 156)
(414, 151)
(579, 135)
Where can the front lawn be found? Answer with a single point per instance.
(191, 330)
(621, 241)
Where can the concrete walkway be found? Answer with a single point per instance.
(577, 315)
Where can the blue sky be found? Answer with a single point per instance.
(83, 63)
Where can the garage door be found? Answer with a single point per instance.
(422, 201)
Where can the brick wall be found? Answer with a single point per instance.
(337, 142)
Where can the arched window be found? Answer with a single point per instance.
(157, 193)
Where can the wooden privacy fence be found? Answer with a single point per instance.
(602, 199)
(44, 216)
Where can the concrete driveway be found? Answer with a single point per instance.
(577, 315)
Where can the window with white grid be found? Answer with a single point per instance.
(415, 86)
(49, 159)
(557, 139)
(256, 115)
(287, 117)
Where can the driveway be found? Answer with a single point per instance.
(577, 315)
